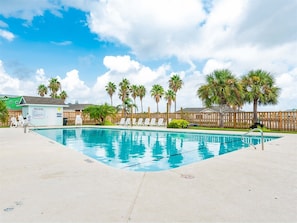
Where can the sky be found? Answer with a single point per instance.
(88, 43)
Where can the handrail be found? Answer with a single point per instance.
(262, 138)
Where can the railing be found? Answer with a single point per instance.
(253, 130)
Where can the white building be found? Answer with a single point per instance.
(43, 111)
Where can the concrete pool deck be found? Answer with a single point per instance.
(43, 181)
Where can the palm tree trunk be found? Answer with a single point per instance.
(221, 117)
(255, 108)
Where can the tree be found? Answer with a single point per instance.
(141, 94)
(124, 90)
(63, 95)
(134, 92)
(222, 89)
(110, 89)
(170, 97)
(100, 112)
(42, 90)
(259, 87)
(175, 83)
(54, 86)
(3, 112)
(157, 92)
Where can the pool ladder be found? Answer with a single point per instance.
(253, 130)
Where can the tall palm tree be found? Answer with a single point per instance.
(63, 95)
(175, 83)
(134, 92)
(110, 89)
(170, 97)
(141, 94)
(42, 90)
(124, 90)
(157, 92)
(54, 86)
(222, 88)
(259, 87)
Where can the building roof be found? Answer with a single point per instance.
(12, 102)
(30, 100)
(77, 107)
(210, 109)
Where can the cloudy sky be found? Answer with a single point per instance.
(86, 44)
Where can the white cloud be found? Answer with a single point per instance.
(7, 35)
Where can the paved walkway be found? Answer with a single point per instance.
(42, 181)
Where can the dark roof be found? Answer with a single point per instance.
(77, 107)
(30, 100)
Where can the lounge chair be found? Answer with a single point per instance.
(128, 121)
(78, 120)
(147, 122)
(160, 122)
(133, 121)
(140, 121)
(153, 122)
(21, 120)
(13, 122)
(122, 121)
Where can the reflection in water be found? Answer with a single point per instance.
(147, 150)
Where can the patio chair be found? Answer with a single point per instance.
(160, 122)
(122, 121)
(140, 122)
(153, 122)
(78, 120)
(21, 120)
(128, 121)
(13, 122)
(146, 122)
(133, 121)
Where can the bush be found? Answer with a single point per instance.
(178, 123)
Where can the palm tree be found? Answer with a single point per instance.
(3, 112)
(124, 90)
(63, 95)
(170, 97)
(42, 90)
(54, 86)
(175, 83)
(141, 93)
(110, 89)
(157, 92)
(259, 88)
(134, 92)
(222, 89)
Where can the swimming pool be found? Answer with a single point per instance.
(148, 150)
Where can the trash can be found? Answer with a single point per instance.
(65, 120)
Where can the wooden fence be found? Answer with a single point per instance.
(282, 121)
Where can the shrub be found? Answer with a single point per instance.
(178, 123)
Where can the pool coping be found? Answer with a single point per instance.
(40, 182)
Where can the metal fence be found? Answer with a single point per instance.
(282, 121)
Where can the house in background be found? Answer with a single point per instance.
(43, 111)
(12, 102)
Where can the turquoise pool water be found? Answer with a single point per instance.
(143, 150)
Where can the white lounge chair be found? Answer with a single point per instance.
(128, 121)
(153, 122)
(21, 120)
(146, 122)
(13, 122)
(78, 120)
(122, 121)
(134, 121)
(140, 121)
(160, 122)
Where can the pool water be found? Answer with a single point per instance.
(144, 150)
